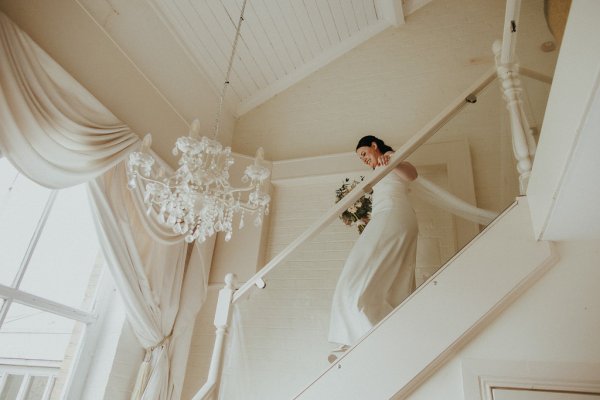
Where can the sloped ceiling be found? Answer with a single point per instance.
(281, 41)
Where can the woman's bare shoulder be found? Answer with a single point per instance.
(406, 171)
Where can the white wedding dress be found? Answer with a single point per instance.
(379, 272)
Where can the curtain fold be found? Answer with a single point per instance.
(57, 134)
(53, 130)
(193, 296)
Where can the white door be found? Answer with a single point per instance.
(523, 394)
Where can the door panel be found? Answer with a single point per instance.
(523, 394)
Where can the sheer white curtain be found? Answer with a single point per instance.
(162, 296)
(53, 130)
(57, 134)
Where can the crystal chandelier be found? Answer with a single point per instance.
(197, 200)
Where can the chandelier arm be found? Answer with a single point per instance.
(248, 208)
(150, 180)
(146, 179)
(248, 189)
(163, 184)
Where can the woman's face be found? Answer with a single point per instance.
(369, 154)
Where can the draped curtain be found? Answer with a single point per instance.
(57, 134)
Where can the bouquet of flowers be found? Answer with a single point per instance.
(360, 212)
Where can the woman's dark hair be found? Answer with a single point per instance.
(367, 140)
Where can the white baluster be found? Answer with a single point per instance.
(528, 130)
(523, 143)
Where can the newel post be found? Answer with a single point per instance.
(222, 322)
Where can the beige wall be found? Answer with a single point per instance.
(550, 331)
(564, 204)
(392, 84)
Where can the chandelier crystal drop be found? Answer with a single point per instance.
(197, 201)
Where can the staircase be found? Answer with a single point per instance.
(404, 349)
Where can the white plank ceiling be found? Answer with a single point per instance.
(281, 42)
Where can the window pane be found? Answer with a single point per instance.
(21, 204)
(37, 387)
(28, 333)
(66, 252)
(13, 384)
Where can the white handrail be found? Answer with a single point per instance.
(365, 187)
(539, 76)
(509, 35)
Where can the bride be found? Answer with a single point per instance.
(379, 272)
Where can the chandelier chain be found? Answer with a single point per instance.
(229, 68)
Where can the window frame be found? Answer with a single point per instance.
(75, 373)
(28, 371)
(12, 293)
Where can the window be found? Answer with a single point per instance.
(49, 265)
(27, 382)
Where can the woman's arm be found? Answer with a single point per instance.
(405, 170)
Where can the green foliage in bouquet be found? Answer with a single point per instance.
(360, 212)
